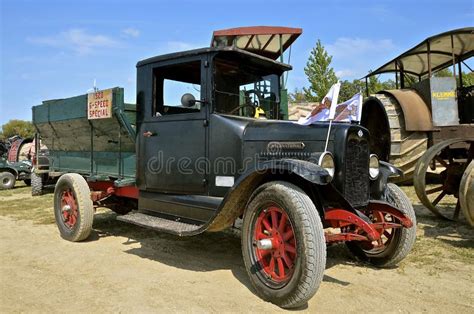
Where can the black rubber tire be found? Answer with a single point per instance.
(36, 184)
(403, 240)
(7, 180)
(80, 189)
(310, 262)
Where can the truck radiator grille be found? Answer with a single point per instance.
(356, 168)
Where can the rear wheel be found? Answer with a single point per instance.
(36, 184)
(283, 244)
(395, 243)
(73, 208)
(466, 193)
(7, 180)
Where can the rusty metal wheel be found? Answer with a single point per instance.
(438, 174)
(466, 193)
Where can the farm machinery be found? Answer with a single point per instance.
(15, 161)
(191, 157)
(426, 126)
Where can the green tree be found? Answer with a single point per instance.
(320, 74)
(349, 89)
(297, 96)
(17, 127)
(467, 79)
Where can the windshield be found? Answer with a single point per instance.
(246, 91)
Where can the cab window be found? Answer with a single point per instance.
(171, 83)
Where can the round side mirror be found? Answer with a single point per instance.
(188, 100)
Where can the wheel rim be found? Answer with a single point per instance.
(388, 236)
(438, 175)
(6, 181)
(69, 213)
(274, 246)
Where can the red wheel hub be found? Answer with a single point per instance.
(275, 244)
(69, 208)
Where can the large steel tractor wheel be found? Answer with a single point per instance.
(283, 244)
(73, 207)
(383, 116)
(466, 193)
(395, 243)
(7, 180)
(438, 174)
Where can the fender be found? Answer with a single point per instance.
(378, 186)
(9, 169)
(237, 197)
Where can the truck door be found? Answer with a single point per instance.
(172, 140)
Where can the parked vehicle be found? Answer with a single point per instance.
(426, 127)
(15, 162)
(195, 161)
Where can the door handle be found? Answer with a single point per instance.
(148, 134)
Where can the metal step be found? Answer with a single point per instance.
(161, 224)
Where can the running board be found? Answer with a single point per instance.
(161, 224)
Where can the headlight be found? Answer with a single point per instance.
(326, 161)
(374, 167)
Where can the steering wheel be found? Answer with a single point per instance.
(250, 114)
(248, 102)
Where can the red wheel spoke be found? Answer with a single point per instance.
(287, 260)
(281, 267)
(264, 253)
(260, 235)
(266, 224)
(288, 235)
(281, 227)
(434, 190)
(290, 248)
(272, 266)
(274, 219)
(439, 198)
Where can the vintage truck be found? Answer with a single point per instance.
(191, 157)
(15, 161)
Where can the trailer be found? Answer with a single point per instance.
(197, 160)
(426, 125)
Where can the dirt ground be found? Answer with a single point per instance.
(123, 268)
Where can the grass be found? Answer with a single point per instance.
(18, 203)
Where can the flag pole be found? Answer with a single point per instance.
(332, 112)
(327, 137)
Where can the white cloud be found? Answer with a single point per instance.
(341, 74)
(358, 46)
(77, 40)
(130, 32)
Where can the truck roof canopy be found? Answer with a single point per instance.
(267, 41)
(432, 54)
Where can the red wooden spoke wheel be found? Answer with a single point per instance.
(69, 208)
(73, 208)
(275, 245)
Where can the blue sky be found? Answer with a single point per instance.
(55, 49)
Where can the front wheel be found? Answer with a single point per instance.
(283, 244)
(73, 208)
(7, 180)
(395, 243)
